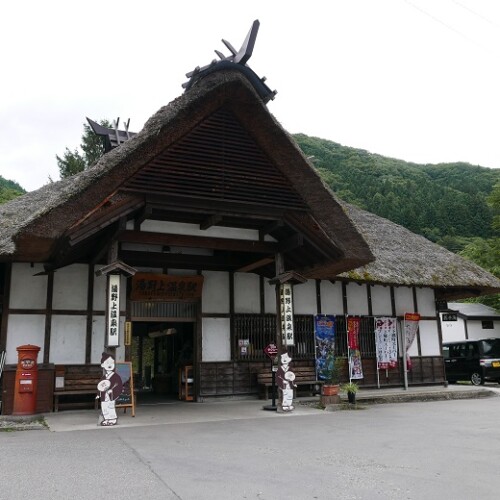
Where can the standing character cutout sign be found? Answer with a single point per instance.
(285, 381)
(110, 387)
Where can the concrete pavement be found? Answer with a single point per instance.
(176, 412)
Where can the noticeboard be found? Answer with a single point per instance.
(127, 398)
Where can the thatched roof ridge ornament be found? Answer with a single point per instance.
(237, 60)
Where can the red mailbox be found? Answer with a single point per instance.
(25, 387)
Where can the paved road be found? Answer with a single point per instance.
(427, 450)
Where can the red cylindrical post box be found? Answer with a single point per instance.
(25, 387)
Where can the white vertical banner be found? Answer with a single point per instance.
(286, 313)
(410, 331)
(113, 319)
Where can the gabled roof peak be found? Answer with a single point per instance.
(237, 61)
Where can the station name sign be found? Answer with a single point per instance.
(165, 287)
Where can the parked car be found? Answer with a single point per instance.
(474, 360)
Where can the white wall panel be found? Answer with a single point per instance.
(70, 287)
(269, 297)
(28, 291)
(24, 329)
(381, 300)
(215, 292)
(403, 297)
(216, 344)
(429, 338)
(97, 348)
(426, 301)
(304, 298)
(331, 297)
(246, 293)
(67, 339)
(452, 330)
(99, 293)
(476, 331)
(357, 299)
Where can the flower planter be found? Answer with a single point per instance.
(330, 390)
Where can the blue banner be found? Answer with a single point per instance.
(324, 331)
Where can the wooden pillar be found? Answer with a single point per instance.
(280, 269)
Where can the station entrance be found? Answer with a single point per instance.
(162, 358)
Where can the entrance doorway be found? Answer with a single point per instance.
(160, 352)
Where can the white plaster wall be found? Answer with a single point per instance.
(304, 298)
(429, 338)
(426, 301)
(403, 297)
(381, 300)
(28, 291)
(476, 331)
(70, 287)
(452, 330)
(216, 343)
(194, 230)
(24, 329)
(246, 293)
(98, 326)
(99, 293)
(215, 297)
(269, 298)
(331, 297)
(67, 339)
(357, 299)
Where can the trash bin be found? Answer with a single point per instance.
(26, 383)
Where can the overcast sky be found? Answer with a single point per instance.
(417, 80)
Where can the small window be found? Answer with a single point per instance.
(487, 324)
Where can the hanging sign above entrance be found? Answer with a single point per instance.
(164, 287)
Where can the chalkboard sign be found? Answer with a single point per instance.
(126, 398)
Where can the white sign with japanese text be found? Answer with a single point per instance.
(286, 301)
(113, 322)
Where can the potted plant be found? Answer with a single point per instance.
(331, 373)
(351, 388)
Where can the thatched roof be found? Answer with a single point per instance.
(406, 258)
(44, 215)
(370, 248)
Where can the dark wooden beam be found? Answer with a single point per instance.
(255, 265)
(180, 240)
(96, 223)
(291, 243)
(181, 261)
(227, 208)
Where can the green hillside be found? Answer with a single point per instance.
(9, 190)
(444, 202)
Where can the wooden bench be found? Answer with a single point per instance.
(305, 376)
(76, 386)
